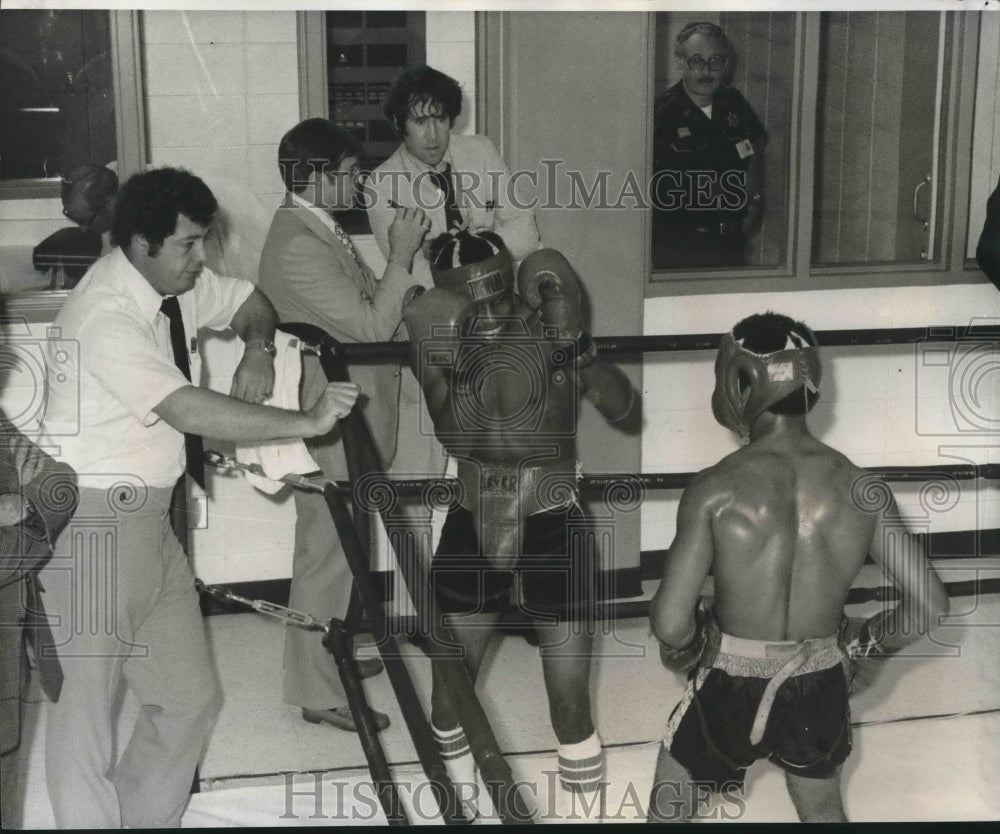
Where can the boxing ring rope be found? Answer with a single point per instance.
(624, 345)
(362, 460)
(634, 345)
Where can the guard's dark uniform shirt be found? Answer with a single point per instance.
(699, 164)
(988, 250)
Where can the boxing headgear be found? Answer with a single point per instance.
(476, 264)
(767, 378)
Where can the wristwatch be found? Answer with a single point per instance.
(264, 344)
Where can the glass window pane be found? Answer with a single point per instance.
(56, 100)
(881, 75)
(364, 53)
(721, 135)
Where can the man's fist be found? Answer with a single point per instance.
(407, 231)
(336, 402)
(548, 284)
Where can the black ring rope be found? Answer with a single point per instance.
(376, 351)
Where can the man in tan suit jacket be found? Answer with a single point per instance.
(312, 273)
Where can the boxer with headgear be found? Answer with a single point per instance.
(784, 525)
(504, 373)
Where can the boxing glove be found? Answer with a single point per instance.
(865, 653)
(436, 314)
(685, 659)
(548, 284)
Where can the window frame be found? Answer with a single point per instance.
(799, 273)
(130, 129)
(130, 121)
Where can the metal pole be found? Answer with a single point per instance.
(362, 461)
(337, 642)
(423, 739)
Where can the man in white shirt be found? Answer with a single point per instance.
(422, 105)
(124, 413)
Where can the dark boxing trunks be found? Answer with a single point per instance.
(803, 720)
(557, 567)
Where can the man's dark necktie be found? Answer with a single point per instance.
(192, 442)
(39, 635)
(453, 217)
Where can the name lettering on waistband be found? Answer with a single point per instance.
(500, 484)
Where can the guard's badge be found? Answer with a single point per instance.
(683, 132)
(734, 120)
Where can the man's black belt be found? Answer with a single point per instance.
(722, 228)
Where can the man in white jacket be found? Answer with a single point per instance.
(458, 181)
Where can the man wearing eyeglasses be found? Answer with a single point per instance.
(312, 272)
(707, 142)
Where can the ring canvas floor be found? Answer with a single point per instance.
(926, 735)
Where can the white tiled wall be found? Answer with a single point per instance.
(451, 48)
(222, 88)
(892, 405)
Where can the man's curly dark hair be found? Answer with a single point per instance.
(149, 203)
(418, 85)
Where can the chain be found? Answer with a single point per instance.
(289, 616)
(220, 461)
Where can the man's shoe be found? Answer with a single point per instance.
(369, 666)
(342, 719)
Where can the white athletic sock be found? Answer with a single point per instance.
(581, 775)
(460, 766)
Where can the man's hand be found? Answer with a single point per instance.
(408, 229)
(253, 381)
(13, 509)
(337, 401)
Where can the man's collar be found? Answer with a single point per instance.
(328, 219)
(419, 165)
(147, 299)
(301, 203)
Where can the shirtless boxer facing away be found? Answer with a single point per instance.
(784, 525)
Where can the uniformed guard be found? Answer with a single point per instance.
(707, 142)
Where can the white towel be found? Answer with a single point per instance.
(278, 458)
